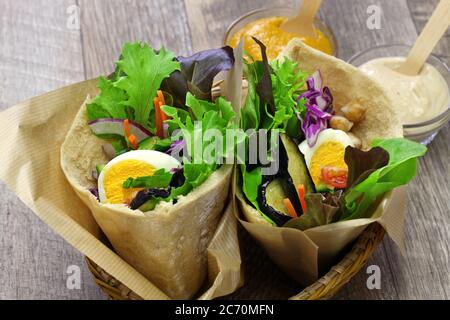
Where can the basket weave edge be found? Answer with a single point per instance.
(327, 286)
(324, 288)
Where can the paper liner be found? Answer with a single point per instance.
(31, 134)
(306, 255)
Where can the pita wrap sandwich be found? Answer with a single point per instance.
(129, 156)
(337, 144)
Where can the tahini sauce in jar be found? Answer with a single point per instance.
(417, 98)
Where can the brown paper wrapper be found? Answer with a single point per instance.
(31, 168)
(307, 255)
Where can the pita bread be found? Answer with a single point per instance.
(347, 84)
(167, 245)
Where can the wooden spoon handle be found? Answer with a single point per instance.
(309, 9)
(427, 40)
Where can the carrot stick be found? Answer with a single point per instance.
(159, 120)
(161, 97)
(288, 204)
(126, 127)
(161, 117)
(162, 102)
(130, 137)
(133, 141)
(301, 197)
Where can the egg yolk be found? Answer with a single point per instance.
(269, 32)
(328, 154)
(118, 174)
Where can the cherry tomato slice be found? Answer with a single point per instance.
(335, 177)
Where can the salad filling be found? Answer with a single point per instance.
(151, 112)
(323, 176)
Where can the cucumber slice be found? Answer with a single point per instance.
(149, 205)
(99, 168)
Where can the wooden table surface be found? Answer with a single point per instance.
(40, 51)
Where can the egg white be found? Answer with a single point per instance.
(156, 159)
(324, 136)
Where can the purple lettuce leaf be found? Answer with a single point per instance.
(197, 74)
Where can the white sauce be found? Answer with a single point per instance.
(418, 98)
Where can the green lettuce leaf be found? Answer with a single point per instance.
(155, 143)
(272, 92)
(216, 116)
(160, 180)
(287, 80)
(128, 93)
(251, 180)
(199, 108)
(144, 71)
(109, 104)
(250, 112)
(400, 170)
(195, 175)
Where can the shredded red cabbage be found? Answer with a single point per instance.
(94, 192)
(319, 108)
(176, 147)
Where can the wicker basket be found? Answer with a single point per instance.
(258, 266)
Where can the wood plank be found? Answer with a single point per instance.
(421, 11)
(436, 171)
(37, 53)
(424, 274)
(34, 260)
(353, 34)
(107, 24)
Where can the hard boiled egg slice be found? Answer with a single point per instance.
(329, 151)
(134, 164)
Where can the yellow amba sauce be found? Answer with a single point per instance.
(268, 31)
